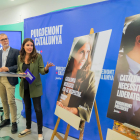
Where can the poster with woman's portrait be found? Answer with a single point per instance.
(82, 74)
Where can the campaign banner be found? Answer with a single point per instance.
(124, 105)
(53, 34)
(82, 74)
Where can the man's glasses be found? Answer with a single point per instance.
(5, 39)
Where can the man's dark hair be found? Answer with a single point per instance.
(129, 38)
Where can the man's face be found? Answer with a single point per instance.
(4, 41)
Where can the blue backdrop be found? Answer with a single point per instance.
(70, 24)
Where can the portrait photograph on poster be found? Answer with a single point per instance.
(124, 105)
(82, 74)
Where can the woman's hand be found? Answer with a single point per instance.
(49, 65)
(22, 74)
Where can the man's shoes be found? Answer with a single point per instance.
(4, 123)
(14, 128)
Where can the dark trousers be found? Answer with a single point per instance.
(38, 110)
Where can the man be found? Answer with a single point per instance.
(8, 63)
(128, 64)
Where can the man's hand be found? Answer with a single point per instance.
(1, 70)
(5, 69)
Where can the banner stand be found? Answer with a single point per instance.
(74, 120)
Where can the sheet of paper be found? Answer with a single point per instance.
(10, 74)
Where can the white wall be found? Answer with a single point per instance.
(38, 7)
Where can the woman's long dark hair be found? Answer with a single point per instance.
(82, 73)
(33, 54)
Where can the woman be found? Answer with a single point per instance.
(30, 59)
(78, 96)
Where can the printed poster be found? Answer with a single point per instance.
(82, 74)
(124, 105)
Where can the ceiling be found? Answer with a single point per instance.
(9, 3)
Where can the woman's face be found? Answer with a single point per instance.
(28, 47)
(81, 56)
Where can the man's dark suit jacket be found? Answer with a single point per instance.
(11, 63)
